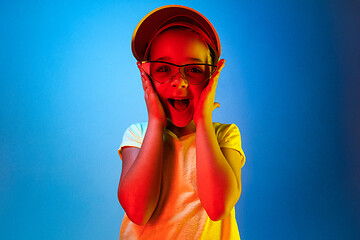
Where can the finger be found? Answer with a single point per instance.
(142, 71)
(220, 65)
(139, 65)
(143, 81)
(215, 77)
(144, 76)
(147, 85)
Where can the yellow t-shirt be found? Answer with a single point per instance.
(179, 213)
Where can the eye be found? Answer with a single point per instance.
(194, 70)
(163, 68)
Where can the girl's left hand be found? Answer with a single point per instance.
(206, 103)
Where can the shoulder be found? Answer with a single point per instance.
(133, 136)
(136, 130)
(137, 127)
(228, 136)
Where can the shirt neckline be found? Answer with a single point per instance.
(179, 138)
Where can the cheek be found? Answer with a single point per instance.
(196, 92)
(160, 90)
(199, 89)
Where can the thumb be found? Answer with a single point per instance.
(216, 105)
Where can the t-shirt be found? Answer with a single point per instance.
(179, 213)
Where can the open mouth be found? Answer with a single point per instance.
(179, 104)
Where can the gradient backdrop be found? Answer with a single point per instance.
(70, 87)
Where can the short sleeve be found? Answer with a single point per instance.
(133, 136)
(228, 136)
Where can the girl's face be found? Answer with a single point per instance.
(178, 96)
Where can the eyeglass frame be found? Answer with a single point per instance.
(179, 66)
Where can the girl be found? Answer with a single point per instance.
(181, 173)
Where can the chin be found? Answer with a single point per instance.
(179, 118)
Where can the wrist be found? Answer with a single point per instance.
(156, 123)
(204, 122)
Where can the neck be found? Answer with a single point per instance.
(181, 131)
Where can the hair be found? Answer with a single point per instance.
(212, 52)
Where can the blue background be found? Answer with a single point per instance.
(70, 87)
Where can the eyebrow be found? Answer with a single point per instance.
(196, 59)
(162, 59)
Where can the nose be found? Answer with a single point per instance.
(179, 80)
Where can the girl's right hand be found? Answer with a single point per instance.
(154, 107)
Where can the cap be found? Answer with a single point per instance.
(167, 16)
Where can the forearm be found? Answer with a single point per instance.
(140, 188)
(217, 185)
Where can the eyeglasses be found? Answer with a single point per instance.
(163, 72)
